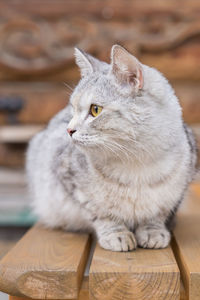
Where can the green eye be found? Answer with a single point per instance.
(95, 110)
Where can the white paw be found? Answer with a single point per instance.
(148, 237)
(118, 241)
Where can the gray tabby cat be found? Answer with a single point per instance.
(122, 169)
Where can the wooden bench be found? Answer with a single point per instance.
(51, 264)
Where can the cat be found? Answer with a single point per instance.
(118, 159)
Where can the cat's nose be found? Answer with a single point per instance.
(70, 131)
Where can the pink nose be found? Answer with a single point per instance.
(70, 131)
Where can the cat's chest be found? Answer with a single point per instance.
(130, 203)
(111, 197)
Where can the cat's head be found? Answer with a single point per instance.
(120, 109)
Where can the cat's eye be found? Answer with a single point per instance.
(95, 110)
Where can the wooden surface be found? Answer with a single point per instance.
(84, 290)
(182, 292)
(18, 134)
(12, 177)
(83, 294)
(5, 246)
(45, 264)
(37, 41)
(40, 101)
(12, 155)
(49, 264)
(141, 274)
(186, 243)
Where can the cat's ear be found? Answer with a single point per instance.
(86, 62)
(126, 68)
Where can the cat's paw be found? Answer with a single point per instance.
(156, 238)
(118, 241)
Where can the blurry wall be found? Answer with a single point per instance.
(37, 38)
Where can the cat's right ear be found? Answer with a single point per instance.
(86, 62)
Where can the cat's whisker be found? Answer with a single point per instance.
(102, 148)
(68, 86)
(68, 94)
(142, 147)
(119, 148)
(110, 148)
(131, 152)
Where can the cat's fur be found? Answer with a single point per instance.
(123, 173)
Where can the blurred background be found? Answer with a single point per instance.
(37, 38)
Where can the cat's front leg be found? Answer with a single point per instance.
(152, 235)
(113, 236)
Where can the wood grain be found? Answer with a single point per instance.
(186, 244)
(132, 9)
(160, 34)
(83, 294)
(45, 264)
(141, 274)
(182, 292)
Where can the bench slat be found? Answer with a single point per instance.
(141, 274)
(187, 243)
(45, 264)
(182, 292)
(83, 295)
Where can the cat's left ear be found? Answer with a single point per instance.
(126, 68)
(86, 62)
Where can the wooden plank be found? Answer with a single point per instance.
(182, 292)
(12, 155)
(186, 243)
(18, 134)
(45, 264)
(83, 295)
(40, 100)
(141, 274)
(18, 298)
(5, 246)
(12, 177)
(84, 291)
